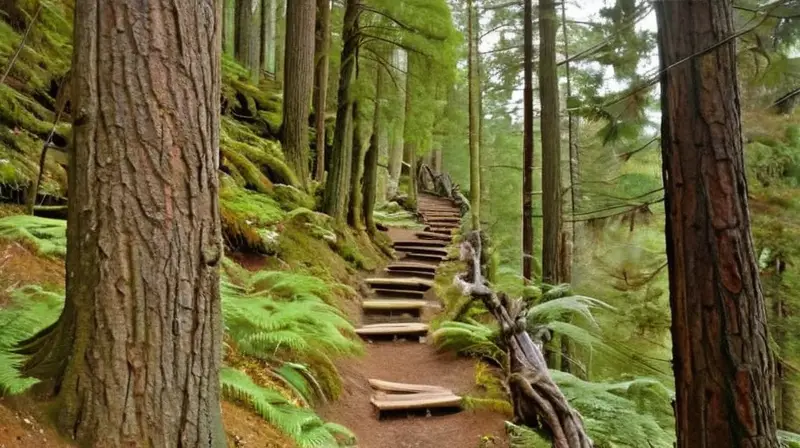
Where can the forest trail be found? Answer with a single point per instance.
(409, 361)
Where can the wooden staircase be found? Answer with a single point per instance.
(396, 307)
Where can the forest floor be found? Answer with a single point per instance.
(412, 362)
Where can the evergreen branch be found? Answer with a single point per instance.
(627, 155)
(371, 37)
(501, 6)
(634, 197)
(624, 212)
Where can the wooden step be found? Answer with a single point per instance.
(424, 250)
(411, 283)
(424, 257)
(401, 273)
(423, 400)
(431, 221)
(419, 243)
(440, 230)
(390, 293)
(392, 305)
(411, 266)
(389, 386)
(433, 236)
(411, 329)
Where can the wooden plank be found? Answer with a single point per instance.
(390, 293)
(390, 329)
(433, 236)
(424, 257)
(389, 386)
(411, 273)
(419, 243)
(416, 284)
(423, 250)
(410, 265)
(399, 402)
(392, 305)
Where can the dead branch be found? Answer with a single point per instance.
(538, 402)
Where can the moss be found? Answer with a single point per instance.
(251, 176)
(48, 236)
(246, 217)
(291, 198)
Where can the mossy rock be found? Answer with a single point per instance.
(291, 198)
(249, 219)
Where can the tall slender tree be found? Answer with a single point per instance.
(474, 148)
(248, 37)
(399, 68)
(229, 27)
(337, 185)
(369, 188)
(322, 47)
(298, 85)
(355, 208)
(269, 25)
(551, 144)
(527, 144)
(721, 356)
(135, 356)
(409, 143)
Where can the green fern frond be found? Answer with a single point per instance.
(31, 310)
(523, 437)
(48, 236)
(469, 338)
(561, 307)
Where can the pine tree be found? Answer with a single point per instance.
(322, 47)
(474, 148)
(135, 356)
(721, 355)
(527, 142)
(337, 186)
(248, 37)
(299, 60)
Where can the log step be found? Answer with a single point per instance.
(398, 265)
(412, 283)
(423, 400)
(390, 293)
(389, 386)
(424, 257)
(424, 250)
(404, 329)
(432, 221)
(419, 243)
(393, 305)
(440, 230)
(433, 236)
(402, 273)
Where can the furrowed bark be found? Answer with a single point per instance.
(337, 185)
(370, 186)
(322, 46)
(135, 356)
(298, 86)
(721, 356)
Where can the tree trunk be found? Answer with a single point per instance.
(322, 46)
(269, 24)
(299, 83)
(409, 147)
(370, 187)
(280, 40)
(437, 161)
(135, 355)
(356, 206)
(396, 137)
(551, 143)
(527, 147)
(338, 182)
(722, 361)
(248, 48)
(229, 27)
(474, 148)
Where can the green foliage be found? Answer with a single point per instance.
(30, 311)
(280, 318)
(470, 338)
(47, 236)
(301, 424)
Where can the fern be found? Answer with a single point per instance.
(301, 424)
(31, 310)
(470, 338)
(524, 437)
(48, 236)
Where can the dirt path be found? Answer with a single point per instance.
(412, 362)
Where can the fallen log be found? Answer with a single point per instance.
(538, 402)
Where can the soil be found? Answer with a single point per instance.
(27, 427)
(418, 363)
(21, 265)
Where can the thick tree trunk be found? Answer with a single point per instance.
(551, 144)
(721, 356)
(135, 356)
(370, 186)
(474, 148)
(337, 185)
(527, 146)
(322, 46)
(248, 37)
(229, 27)
(299, 84)
(269, 24)
(356, 206)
